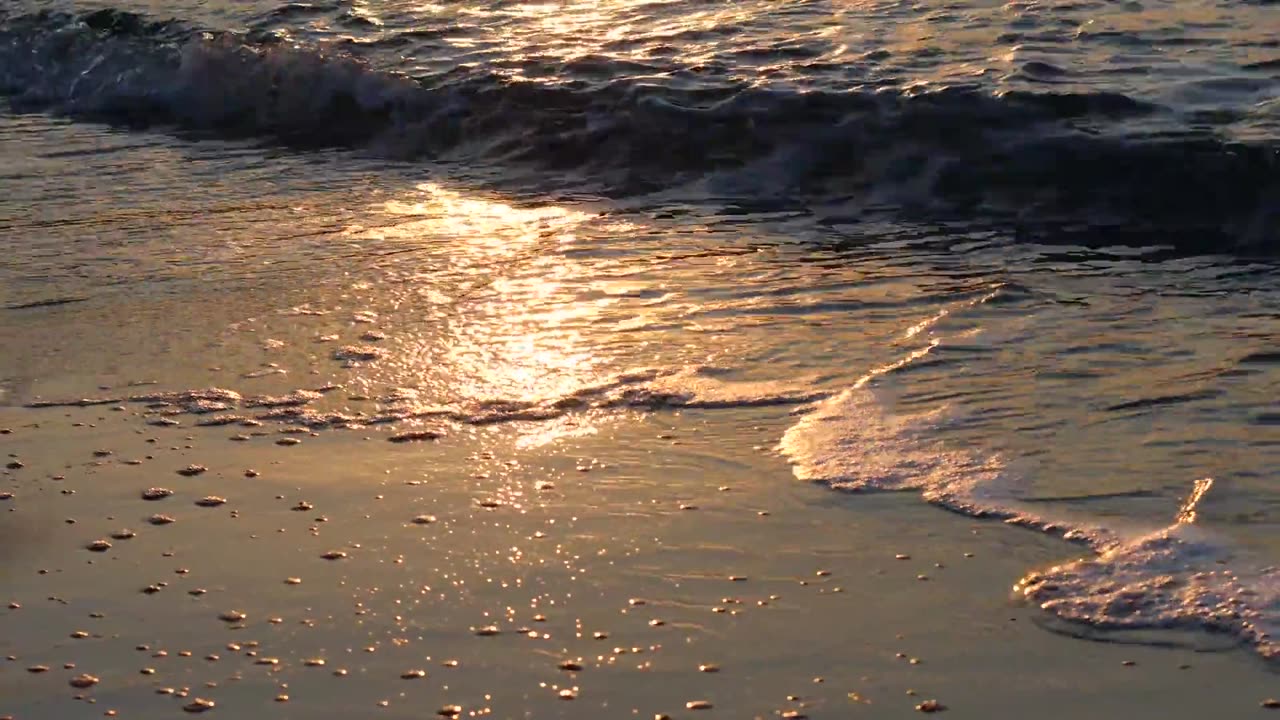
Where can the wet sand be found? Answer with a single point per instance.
(644, 568)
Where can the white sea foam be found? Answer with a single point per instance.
(1179, 576)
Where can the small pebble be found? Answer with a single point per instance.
(156, 493)
(99, 546)
(199, 705)
(192, 470)
(698, 705)
(83, 681)
(931, 706)
(211, 501)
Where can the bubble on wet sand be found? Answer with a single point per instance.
(416, 436)
(358, 353)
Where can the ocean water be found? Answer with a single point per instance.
(1017, 259)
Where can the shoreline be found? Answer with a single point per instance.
(610, 533)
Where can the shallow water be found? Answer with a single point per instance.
(556, 293)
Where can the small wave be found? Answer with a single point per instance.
(646, 389)
(1170, 578)
(1040, 160)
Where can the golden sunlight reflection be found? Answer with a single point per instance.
(505, 313)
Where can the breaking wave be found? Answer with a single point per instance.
(1038, 160)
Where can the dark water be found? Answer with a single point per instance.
(1144, 123)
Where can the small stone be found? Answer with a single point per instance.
(99, 546)
(698, 705)
(450, 711)
(193, 470)
(931, 706)
(124, 534)
(314, 662)
(199, 705)
(156, 493)
(83, 681)
(487, 631)
(1271, 704)
(570, 666)
(424, 519)
(211, 501)
(709, 668)
(288, 441)
(282, 698)
(293, 581)
(232, 616)
(413, 674)
(38, 669)
(334, 555)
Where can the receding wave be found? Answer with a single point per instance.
(1037, 160)
(1135, 578)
